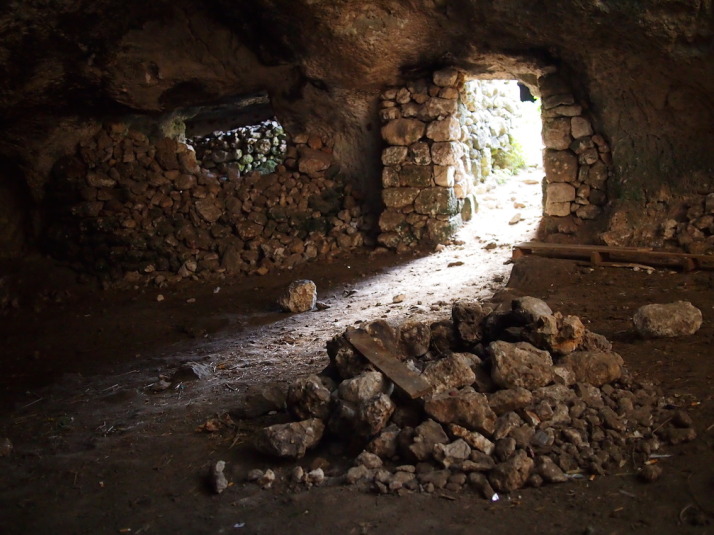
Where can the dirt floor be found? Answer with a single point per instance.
(98, 450)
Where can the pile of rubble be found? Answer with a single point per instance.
(260, 147)
(516, 396)
(143, 210)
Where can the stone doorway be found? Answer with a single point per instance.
(432, 163)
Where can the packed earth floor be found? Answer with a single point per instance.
(100, 444)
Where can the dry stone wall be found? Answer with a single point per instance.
(576, 160)
(427, 191)
(143, 210)
(487, 112)
(259, 147)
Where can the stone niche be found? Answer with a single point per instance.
(431, 162)
(139, 209)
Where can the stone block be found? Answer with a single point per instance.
(436, 201)
(556, 134)
(445, 152)
(560, 209)
(560, 166)
(418, 176)
(399, 197)
(437, 107)
(597, 175)
(391, 220)
(552, 84)
(390, 177)
(442, 231)
(581, 127)
(444, 175)
(446, 77)
(589, 211)
(448, 129)
(558, 192)
(554, 101)
(419, 153)
(312, 162)
(394, 155)
(403, 131)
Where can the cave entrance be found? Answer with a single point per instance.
(502, 149)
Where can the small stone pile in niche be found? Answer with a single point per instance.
(260, 148)
(521, 396)
(142, 210)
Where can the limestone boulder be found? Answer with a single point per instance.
(300, 296)
(403, 131)
(290, 440)
(593, 367)
(513, 473)
(453, 453)
(449, 373)
(510, 399)
(465, 407)
(448, 129)
(415, 337)
(520, 365)
(426, 436)
(556, 333)
(667, 320)
(309, 397)
(468, 319)
(364, 387)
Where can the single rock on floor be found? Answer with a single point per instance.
(218, 480)
(669, 320)
(300, 296)
(290, 440)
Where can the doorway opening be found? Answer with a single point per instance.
(503, 149)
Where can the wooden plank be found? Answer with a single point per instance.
(375, 352)
(601, 254)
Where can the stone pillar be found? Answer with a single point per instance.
(576, 159)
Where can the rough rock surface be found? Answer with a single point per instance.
(290, 440)
(520, 365)
(300, 296)
(667, 320)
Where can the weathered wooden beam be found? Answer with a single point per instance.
(602, 254)
(387, 362)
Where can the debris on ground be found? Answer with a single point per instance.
(217, 478)
(518, 395)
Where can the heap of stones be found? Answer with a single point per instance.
(695, 230)
(147, 211)
(258, 147)
(521, 396)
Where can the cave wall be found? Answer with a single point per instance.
(645, 67)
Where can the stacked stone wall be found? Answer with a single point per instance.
(488, 111)
(576, 161)
(141, 210)
(427, 191)
(259, 147)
